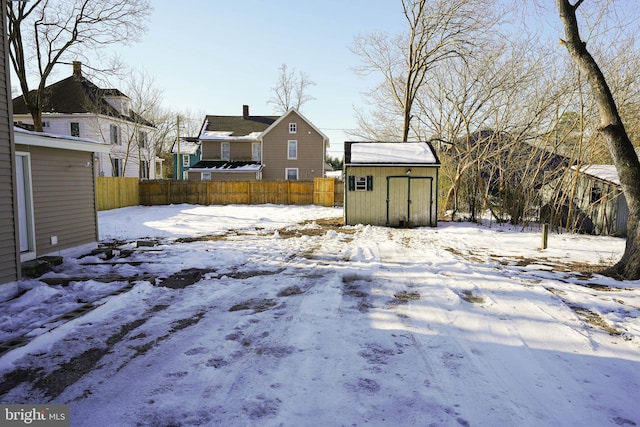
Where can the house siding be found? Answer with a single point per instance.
(63, 198)
(9, 252)
(311, 151)
(238, 150)
(370, 207)
(97, 128)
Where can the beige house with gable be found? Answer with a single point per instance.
(247, 147)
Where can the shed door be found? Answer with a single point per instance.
(409, 201)
(398, 201)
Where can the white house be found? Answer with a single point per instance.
(76, 107)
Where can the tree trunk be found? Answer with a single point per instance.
(615, 136)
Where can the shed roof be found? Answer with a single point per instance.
(390, 153)
(604, 172)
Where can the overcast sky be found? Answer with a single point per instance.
(216, 56)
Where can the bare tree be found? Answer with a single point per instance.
(291, 90)
(614, 134)
(44, 33)
(437, 30)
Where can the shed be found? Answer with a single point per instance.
(391, 184)
(599, 196)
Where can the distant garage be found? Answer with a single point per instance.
(391, 184)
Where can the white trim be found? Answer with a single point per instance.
(37, 139)
(325, 139)
(29, 212)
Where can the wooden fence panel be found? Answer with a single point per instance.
(120, 192)
(323, 191)
(229, 192)
(116, 192)
(300, 192)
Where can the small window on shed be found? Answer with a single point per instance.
(361, 183)
(596, 195)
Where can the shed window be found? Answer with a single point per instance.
(360, 183)
(206, 176)
(185, 160)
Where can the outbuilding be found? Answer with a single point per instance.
(391, 184)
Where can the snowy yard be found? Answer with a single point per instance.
(276, 315)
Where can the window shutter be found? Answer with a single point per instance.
(352, 183)
(369, 182)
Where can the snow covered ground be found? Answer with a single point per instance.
(279, 316)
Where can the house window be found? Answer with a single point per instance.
(293, 128)
(75, 129)
(206, 176)
(113, 135)
(596, 195)
(225, 151)
(142, 139)
(185, 160)
(291, 174)
(46, 124)
(361, 183)
(292, 150)
(116, 164)
(256, 152)
(144, 169)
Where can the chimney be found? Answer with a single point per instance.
(77, 69)
(245, 111)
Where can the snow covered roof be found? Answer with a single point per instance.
(212, 135)
(42, 139)
(603, 172)
(226, 166)
(392, 153)
(187, 146)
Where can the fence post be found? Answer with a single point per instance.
(545, 235)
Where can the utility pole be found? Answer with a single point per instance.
(178, 157)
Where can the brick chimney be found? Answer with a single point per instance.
(245, 111)
(77, 69)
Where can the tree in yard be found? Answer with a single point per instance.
(291, 90)
(614, 134)
(45, 33)
(437, 30)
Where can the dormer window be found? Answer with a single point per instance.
(293, 127)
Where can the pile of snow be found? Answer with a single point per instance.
(457, 325)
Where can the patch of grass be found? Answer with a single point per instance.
(290, 291)
(407, 296)
(257, 305)
(594, 319)
(468, 296)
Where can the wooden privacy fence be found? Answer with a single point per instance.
(117, 192)
(320, 191)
